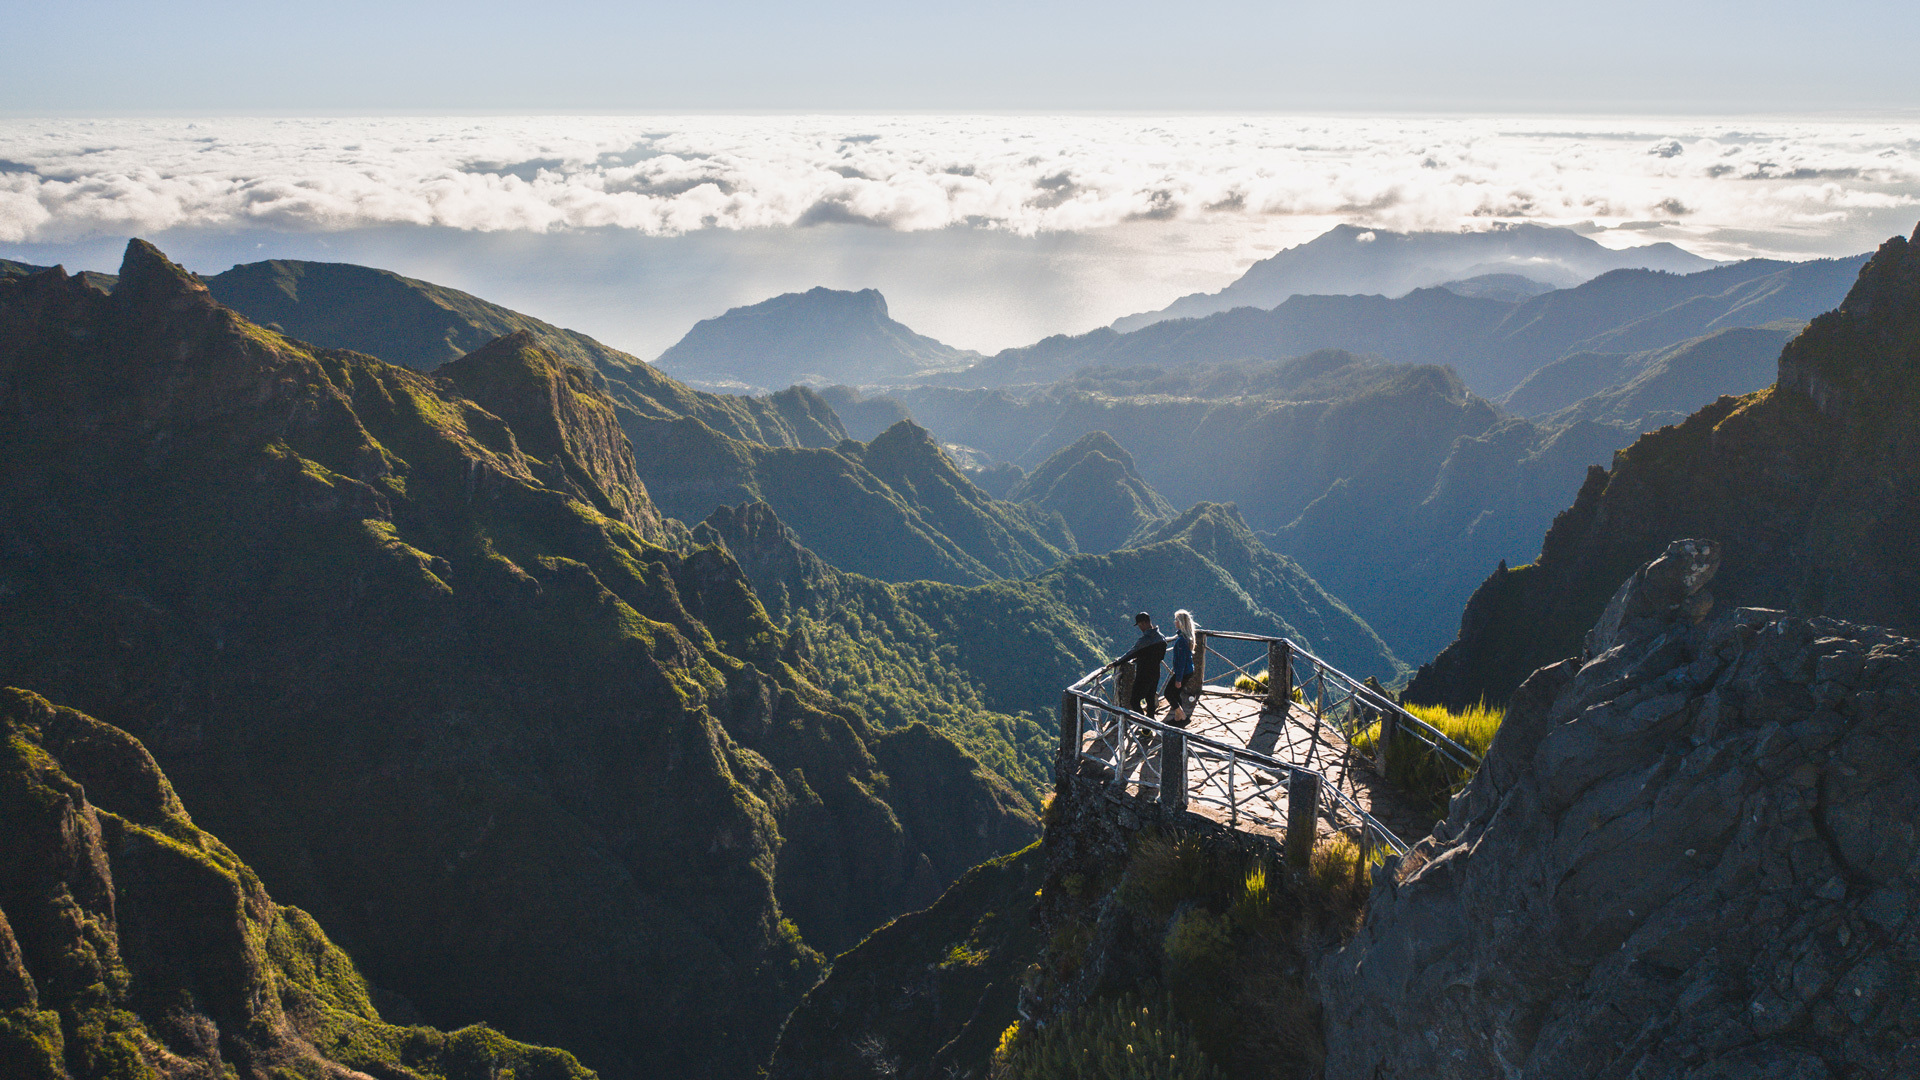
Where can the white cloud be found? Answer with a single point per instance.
(1765, 183)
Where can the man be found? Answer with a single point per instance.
(1145, 656)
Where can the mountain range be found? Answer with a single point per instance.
(1808, 486)
(1350, 259)
(421, 650)
(1492, 343)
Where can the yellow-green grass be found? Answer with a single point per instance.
(1422, 771)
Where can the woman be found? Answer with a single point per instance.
(1182, 668)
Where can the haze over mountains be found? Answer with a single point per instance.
(1351, 260)
(839, 336)
(1493, 334)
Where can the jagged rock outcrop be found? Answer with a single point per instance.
(134, 944)
(1811, 487)
(1690, 853)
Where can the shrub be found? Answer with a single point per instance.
(1119, 1039)
(1421, 771)
(1258, 682)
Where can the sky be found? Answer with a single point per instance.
(350, 57)
(999, 171)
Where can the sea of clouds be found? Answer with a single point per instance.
(985, 231)
(1728, 187)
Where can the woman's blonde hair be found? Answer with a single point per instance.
(1183, 624)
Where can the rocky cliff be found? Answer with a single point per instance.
(427, 668)
(1690, 853)
(1809, 486)
(133, 944)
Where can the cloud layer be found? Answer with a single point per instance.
(1723, 188)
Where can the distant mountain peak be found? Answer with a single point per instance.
(819, 336)
(1349, 260)
(149, 277)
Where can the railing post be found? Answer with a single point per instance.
(1389, 727)
(1199, 675)
(1123, 685)
(1303, 812)
(1279, 675)
(1173, 771)
(1067, 762)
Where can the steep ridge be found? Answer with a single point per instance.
(132, 943)
(896, 508)
(1689, 853)
(821, 335)
(527, 764)
(1353, 259)
(1096, 490)
(421, 325)
(1492, 344)
(1810, 487)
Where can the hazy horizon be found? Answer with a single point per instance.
(982, 230)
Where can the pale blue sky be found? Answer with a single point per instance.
(115, 57)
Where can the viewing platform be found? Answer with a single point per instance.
(1278, 760)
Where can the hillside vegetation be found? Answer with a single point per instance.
(133, 944)
(423, 652)
(986, 663)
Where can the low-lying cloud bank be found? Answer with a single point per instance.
(1723, 188)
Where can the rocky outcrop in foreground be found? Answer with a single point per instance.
(1690, 853)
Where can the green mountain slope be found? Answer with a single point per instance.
(1096, 490)
(949, 655)
(896, 508)
(959, 963)
(426, 666)
(821, 335)
(134, 944)
(1809, 487)
(1395, 487)
(421, 325)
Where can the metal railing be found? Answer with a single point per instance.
(1332, 697)
(1137, 754)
